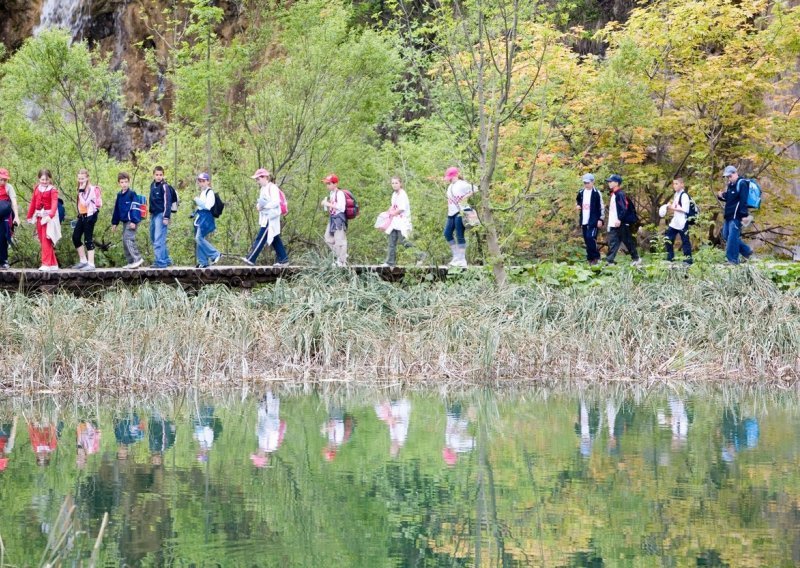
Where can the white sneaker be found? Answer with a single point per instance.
(247, 261)
(87, 267)
(215, 260)
(44, 268)
(136, 264)
(637, 262)
(459, 263)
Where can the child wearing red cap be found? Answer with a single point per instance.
(43, 211)
(9, 215)
(336, 233)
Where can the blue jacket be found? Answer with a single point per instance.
(162, 195)
(735, 198)
(122, 208)
(624, 212)
(595, 207)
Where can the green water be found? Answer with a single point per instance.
(366, 479)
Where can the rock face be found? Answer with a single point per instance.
(17, 20)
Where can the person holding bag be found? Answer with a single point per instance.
(43, 211)
(458, 190)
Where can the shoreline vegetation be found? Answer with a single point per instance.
(706, 323)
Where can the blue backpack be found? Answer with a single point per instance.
(753, 194)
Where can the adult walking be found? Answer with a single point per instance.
(9, 215)
(679, 224)
(43, 211)
(204, 223)
(589, 203)
(399, 227)
(621, 215)
(735, 199)
(88, 203)
(457, 191)
(269, 220)
(162, 196)
(336, 232)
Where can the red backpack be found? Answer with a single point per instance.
(351, 209)
(284, 204)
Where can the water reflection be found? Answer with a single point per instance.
(597, 479)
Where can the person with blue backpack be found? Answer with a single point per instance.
(127, 211)
(204, 223)
(735, 199)
(621, 216)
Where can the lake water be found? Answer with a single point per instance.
(370, 479)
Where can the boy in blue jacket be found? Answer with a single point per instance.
(126, 210)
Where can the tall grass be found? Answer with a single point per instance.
(335, 326)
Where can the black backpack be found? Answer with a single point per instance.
(631, 218)
(694, 210)
(218, 207)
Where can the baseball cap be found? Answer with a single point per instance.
(204, 176)
(451, 173)
(588, 178)
(614, 177)
(4, 174)
(260, 172)
(728, 171)
(331, 178)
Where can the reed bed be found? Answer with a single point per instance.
(334, 326)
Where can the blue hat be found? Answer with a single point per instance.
(615, 177)
(588, 178)
(204, 176)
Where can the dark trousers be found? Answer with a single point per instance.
(396, 237)
(590, 239)
(618, 236)
(686, 244)
(83, 234)
(261, 240)
(5, 235)
(454, 225)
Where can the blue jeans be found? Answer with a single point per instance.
(732, 235)
(158, 236)
(590, 240)
(454, 224)
(261, 240)
(686, 244)
(205, 250)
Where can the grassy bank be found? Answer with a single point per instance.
(713, 323)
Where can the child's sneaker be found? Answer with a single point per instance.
(136, 263)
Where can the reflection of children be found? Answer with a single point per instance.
(270, 429)
(337, 430)
(396, 414)
(128, 430)
(586, 427)
(456, 435)
(737, 433)
(161, 437)
(88, 441)
(206, 428)
(8, 433)
(44, 439)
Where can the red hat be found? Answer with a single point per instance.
(449, 456)
(3, 463)
(260, 172)
(451, 173)
(331, 178)
(259, 460)
(4, 174)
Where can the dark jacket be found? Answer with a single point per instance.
(735, 198)
(122, 208)
(595, 207)
(625, 212)
(162, 195)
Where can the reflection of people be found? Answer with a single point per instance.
(456, 435)
(8, 433)
(270, 429)
(737, 432)
(161, 437)
(586, 427)
(44, 439)
(337, 430)
(127, 431)
(88, 441)
(206, 428)
(396, 415)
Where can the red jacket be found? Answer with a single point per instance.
(44, 198)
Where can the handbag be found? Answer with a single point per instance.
(469, 216)
(383, 221)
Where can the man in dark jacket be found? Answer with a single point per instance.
(621, 215)
(735, 198)
(589, 203)
(162, 196)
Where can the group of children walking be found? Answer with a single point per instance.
(130, 210)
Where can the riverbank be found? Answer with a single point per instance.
(708, 323)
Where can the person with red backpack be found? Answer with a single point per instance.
(271, 205)
(9, 215)
(89, 203)
(621, 215)
(336, 205)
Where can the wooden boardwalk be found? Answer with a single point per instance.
(77, 281)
